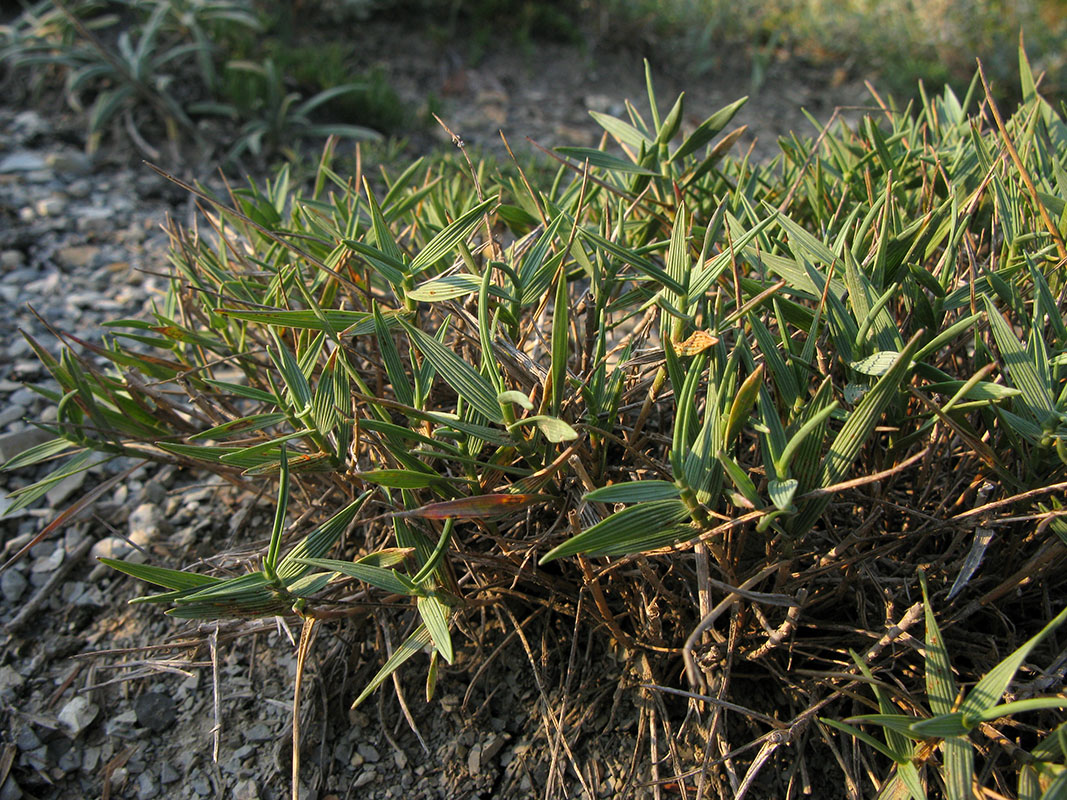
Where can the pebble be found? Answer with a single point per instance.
(14, 411)
(51, 206)
(11, 259)
(146, 786)
(260, 732)
(64, 489)
(155, 711)
(12, 444)
(22, 161)
(26, 739)
(364, 778)
(369, 752)
(167, 774)
(199, 783)
(146, 524)
(246, 790)
(50, 562)
(70, 760)
(95, 220)
(77, 256)
(9, 682)
(121, 725)
(474, 760)
(10, 790)
(110, 547)
(69, 162)
(77, 715)
(12, 585)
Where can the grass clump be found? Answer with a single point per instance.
(664, 385)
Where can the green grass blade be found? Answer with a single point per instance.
(1037, 399)
(317, 543)
(605, 161)
(631, 530)
(419, 640)
(394, 367)
(270, 565)
(388, 580)
(434, 615)
(634, 492)
(958, 769)
(988, 691)
(446, 241)
(622, 131)
(458, 374)
(560, 341)
(160, 576)
(708, 130)
(862, 421)
(940, 685)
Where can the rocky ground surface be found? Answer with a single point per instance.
(98, 699)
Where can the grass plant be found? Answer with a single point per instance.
(666, 374)
(147, 67)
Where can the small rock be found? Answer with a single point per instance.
(11, 259)
(27, 739)
(95, 220)
(119, 778)
(77, 256)
(9, 682)
(154, 492)
(110, 547)
(10, 790)
(70, 760)
(146, 523)
(260, 732)
(30, 124)
(369, 752)
(121, 725)
(365, 777)
(64, 489)
(22, 161)
(90, 759)
(492, 746)
(11, 413)
(80, 593)
(200, 784)
(474, 760)
(77, 715)
(69, 162)
(80, 188)
(167, 774)
(146, 787)
(155, 711)
(246, 790)
(49, 563)
(50, 206)
(12, 585)
(602, 103)
(12, 444)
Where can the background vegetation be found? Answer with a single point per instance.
(274, 74)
